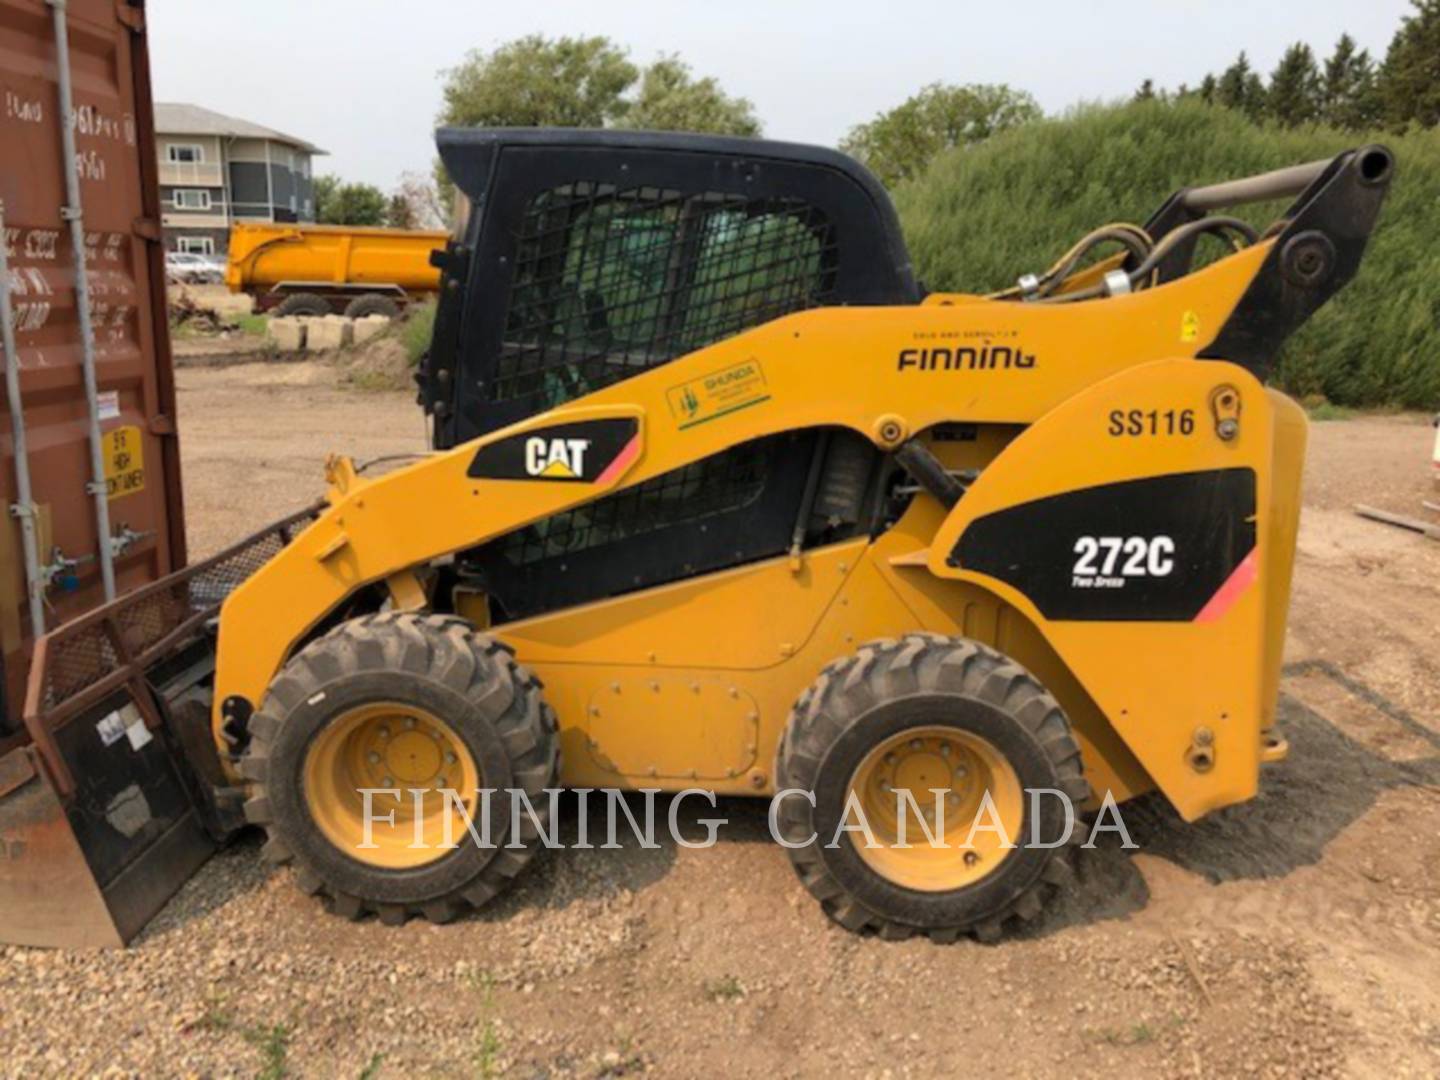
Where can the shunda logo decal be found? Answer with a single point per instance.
(559, 459)
(718, 394)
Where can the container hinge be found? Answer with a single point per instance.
(147, 228)
(132, 16)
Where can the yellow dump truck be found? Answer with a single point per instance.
(295, 269)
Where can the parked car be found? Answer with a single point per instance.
(184, 268)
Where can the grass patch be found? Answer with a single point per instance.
(1320, 409)
(274, 1046)
(372, 1070)
(487, 1051)
(254, 325)
(725, 988)
(416, 329)
(273, 1041)
(487, 1042)
(1141, 1033)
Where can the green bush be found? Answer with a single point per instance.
(416, 329)
(981, 216)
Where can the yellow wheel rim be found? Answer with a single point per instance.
(964, 766)
(389, 745)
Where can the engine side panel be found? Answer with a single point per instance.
(1146, 545)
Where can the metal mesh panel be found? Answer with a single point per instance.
(83, 652)
(81, 661)
(713, 485)
(608, 282)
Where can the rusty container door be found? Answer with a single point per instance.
(89, 861)
(115, 154)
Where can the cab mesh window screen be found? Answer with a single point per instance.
(712, 485)
(608, 283)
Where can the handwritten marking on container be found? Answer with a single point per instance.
(26, 110)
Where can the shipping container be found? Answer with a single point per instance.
(126, 430)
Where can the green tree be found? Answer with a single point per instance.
(1295, 90)
(670, 98)
(539, 82)
(1409, 81)
(399, 214)
(339, 203)
(899, 144)
(1348, 97)
(323, 189)
(1209, 88)
(1241, 89)
(1146, 91)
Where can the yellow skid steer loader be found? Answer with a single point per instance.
(720, 498)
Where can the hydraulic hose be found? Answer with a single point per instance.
(1218, 225)
(1133, 238)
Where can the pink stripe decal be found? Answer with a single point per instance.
(1238, 581)
(623, 461)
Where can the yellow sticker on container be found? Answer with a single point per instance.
(124, 453)
(1190, 327)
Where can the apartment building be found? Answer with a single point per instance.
(216, 170)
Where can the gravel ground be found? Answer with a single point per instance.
(1296, 935)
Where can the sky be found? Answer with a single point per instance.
(362, 78)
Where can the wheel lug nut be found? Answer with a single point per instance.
(451, 759)
(971, 858)
(945, 749)
(409, 721)
(959, 771)
(374, 758)
(916, 744)
(384, 732)
(387, 782)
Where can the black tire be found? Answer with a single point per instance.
(439, 663)
(302, 303)
(884, 689)
(372, 304)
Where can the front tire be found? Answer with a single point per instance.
(922, 714)
(411, 703)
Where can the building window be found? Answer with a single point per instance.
(195, 245)
(191, 199)
(184, 153)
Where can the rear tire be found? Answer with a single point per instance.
(915, 709)
(454, 696)
(372, 304)
(302, 303)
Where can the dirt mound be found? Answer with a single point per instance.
(382, 363)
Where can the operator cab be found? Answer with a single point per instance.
(581, 258)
